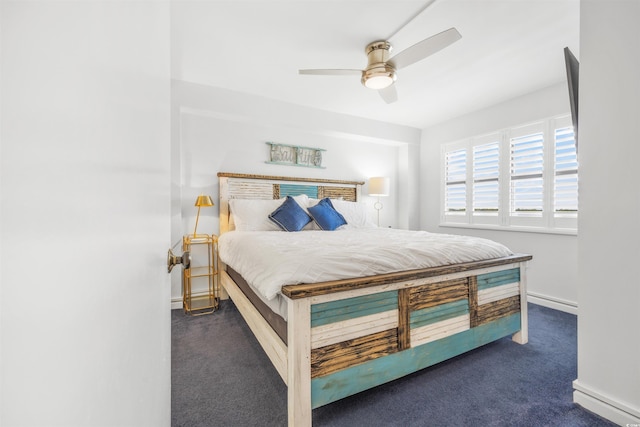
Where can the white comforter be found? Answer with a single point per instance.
(270, 259)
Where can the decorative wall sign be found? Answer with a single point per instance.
(293, 155)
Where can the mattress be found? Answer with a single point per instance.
(268, 260)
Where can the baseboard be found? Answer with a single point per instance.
(605, 406)
(551, 302)
(176, 303)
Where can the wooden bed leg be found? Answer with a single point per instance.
(223, 293)
(299, 363)
(522, 336)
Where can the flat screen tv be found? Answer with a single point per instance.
(573, 72)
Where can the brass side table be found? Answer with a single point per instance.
(200, 280)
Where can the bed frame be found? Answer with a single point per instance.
(346, 336)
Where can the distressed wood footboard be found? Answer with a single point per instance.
(386, 327)
(351, 335)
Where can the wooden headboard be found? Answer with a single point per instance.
(245, 186)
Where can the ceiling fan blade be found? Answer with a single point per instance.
(389, 94)
(425, 48)
(330, 72)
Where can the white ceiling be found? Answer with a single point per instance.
(508, 48)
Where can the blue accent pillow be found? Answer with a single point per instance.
(326, 216)
(290, 216)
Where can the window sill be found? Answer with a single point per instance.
(513, 228)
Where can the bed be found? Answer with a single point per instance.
(330, 339)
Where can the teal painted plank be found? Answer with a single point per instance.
(351, 313)
(382, 296)
(498, 275)
(493, 284)
(427, 316)
(514, 272)
(336, 311)
(296, 190)
(510, 272)
(498, 278)
(355, 379)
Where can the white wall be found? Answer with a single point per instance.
(217, 130)
(552, 278)
(609, 242)
(85, 312)
(1, 211)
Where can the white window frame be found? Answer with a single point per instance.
(548, 221)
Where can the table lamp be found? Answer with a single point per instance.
(200, 202)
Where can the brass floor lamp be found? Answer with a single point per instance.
(379, 187)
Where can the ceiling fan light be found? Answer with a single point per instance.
(379, 78)
(379, 81)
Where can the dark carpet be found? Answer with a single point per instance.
(221, 377)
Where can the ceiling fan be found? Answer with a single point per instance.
(380, 73)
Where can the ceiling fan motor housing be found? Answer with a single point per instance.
(378, 74)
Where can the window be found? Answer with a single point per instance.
(527, 166)
(486, 173)
(524, 177)
(565, 185)
(456, 184)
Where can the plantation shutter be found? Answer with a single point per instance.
(456, 181)
(566, 172)
(486, 171)
(527, 164)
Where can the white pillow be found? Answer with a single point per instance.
(253, 214)
(355, 213)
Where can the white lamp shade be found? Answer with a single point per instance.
(379, 186)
